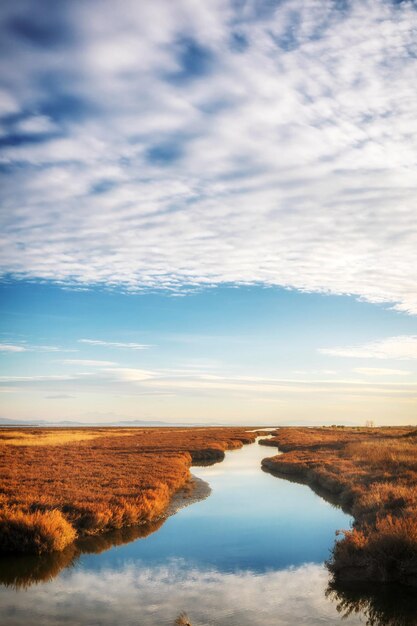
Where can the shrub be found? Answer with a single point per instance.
(34, 532)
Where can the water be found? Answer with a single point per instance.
(251, 554)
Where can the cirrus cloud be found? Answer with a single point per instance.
(115, 344)
(401, 347)
(176, 145)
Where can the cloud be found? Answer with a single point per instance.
(134, 381)
(182, 145)
(7, 347)
(59, 396)
(35, 378)
(34, 125)
(23, 347)
(139, 593)
(115, 344)
(401, 347)
(88, 362)
(381, 371)
(129, 374)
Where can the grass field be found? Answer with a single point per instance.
(373, 472)
(57, 484)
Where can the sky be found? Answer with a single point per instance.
(208, 211)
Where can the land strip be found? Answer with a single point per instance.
(80, 482)
(373, 473)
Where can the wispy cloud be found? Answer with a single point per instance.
(59, 396)
(35, 378)
(381, 371)
(111, 595)
(116, 344)
(125, 380)
(178, 145)
(401, 347)
(23, 347)
(8, 347)
(130, 374)
(88, 362)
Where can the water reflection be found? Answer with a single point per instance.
(301, 591)
(155, 596)
(22, 571)
(381, 605)
(182, 620)
(237, 558)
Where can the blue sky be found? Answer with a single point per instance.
(208, 210)
(223, 355)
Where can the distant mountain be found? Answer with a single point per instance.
(4, 421)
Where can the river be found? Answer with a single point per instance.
(251, 554)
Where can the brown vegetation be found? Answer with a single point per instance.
(182, 620)
(379, 605)
(373, 472)
(50, 493)
(20, 571)
(55, 436)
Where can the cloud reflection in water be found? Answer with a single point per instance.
(155, 596)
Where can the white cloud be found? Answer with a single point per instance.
(35, 378)
(88, 362)
(7, 347)
(116, 344)
(292, 161)
(36, 124)
(130, 374)
(23, 347)
(135, 381)
(139, 593)
(381, 371)
(401, 347)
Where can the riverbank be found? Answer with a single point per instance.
(373, 473)
(21, 571)
(91, 481)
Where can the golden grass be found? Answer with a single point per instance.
(108, 481)
(374, 473)
(54, 436)
(41, 531)
(20, 571)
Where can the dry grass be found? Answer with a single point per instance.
(54, 436)
(20, 571)
(374, 473)
(109, 481)
(39, 532)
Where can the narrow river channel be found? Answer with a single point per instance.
(251, 554)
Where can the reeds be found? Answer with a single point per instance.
(374, 473)
(34, 532)
(105, 481)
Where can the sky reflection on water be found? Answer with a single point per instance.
(249, 555)
(154, 596)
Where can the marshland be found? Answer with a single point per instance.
(208, 313)
(84, 514)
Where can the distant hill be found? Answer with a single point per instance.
(4, 421)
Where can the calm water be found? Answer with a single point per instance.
(250, 555)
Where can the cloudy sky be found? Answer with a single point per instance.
(208, 210)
